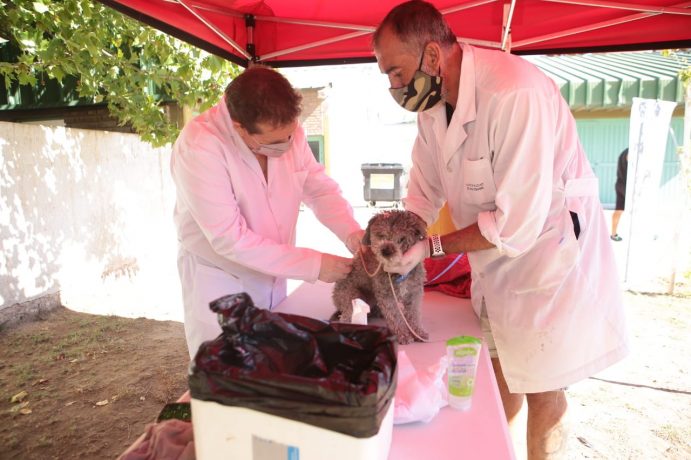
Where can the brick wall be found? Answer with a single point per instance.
(313, 111)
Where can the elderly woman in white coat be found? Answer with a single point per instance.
(497, 142)
(241, 170)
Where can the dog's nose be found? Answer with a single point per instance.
(388, 250)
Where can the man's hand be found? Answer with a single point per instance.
(354, 241)
(334, 268)
(409, 260)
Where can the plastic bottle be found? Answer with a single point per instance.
(462, 353)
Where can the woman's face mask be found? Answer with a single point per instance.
(271, 150)
(421, 93)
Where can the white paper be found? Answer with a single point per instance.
(360, 311)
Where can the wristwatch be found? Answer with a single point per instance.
(437, 250)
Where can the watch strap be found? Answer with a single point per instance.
(437, 250)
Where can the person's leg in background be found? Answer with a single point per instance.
(616, 215)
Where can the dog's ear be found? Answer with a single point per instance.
(420, 227)
(366, 240)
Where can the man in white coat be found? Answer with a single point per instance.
(241, 170)
(497, 142)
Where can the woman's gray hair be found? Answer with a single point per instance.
(416, 23)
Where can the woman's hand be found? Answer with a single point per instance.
(354, 241)
(334, 268)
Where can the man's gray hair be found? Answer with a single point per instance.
(416, 23)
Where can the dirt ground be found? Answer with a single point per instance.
(92, 383)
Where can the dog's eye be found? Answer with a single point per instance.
(401, 240)
(380, 236)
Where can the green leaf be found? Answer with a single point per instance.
(57, 73)
(27, 79)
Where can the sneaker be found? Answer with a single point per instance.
(615, 237)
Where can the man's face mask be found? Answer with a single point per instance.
(271, 150)
(421, 93)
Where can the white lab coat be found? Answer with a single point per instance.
(511, 161)
(236, 230)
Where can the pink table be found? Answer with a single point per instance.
(482, 431)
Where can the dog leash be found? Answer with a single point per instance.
(364, 266)
(393, 291)
(400, 310)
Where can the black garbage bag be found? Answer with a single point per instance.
(337, 376)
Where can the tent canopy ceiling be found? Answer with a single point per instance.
(289, 32)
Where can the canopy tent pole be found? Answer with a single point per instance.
(628, 6)
(506, 27)
(249, 23)
(474, 41)
(215, 29)
(314, 44)
(465, 6)
(309, 22)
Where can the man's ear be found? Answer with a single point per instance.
(431, 57)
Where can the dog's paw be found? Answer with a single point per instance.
(405, 339)
(346, 317)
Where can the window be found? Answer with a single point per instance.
(316, 144)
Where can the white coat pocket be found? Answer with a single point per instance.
(211, 283)
(478, 181)
(539, 274)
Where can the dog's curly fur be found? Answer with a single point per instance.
(388, 236)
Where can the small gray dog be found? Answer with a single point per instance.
(388, 236)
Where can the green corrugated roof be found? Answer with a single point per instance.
(606, 81)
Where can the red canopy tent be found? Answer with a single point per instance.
(308, 32)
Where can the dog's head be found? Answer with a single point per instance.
(389, 234)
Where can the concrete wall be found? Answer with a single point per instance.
(86, 214)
